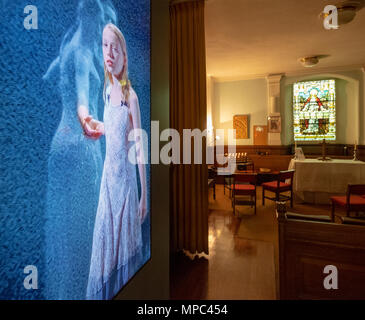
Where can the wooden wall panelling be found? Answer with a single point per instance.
(306, 248)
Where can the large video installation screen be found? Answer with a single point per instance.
(314, 109)
(75, 208)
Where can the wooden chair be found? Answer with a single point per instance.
(228, 180)
(244, 184)
(353, 201)
(279, 186)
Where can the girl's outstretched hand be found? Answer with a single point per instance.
(92, 128)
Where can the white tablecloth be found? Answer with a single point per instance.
(315, 181)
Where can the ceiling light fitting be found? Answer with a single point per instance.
(308, 62)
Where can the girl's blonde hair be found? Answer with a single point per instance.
(107, 75)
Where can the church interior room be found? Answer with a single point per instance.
(286, 193)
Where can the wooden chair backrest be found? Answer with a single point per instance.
(358, 189)
(286, 175)
(245, 177)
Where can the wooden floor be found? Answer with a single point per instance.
(243, 250)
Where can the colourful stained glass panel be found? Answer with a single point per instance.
(314, 108)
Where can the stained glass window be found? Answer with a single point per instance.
(314, 108)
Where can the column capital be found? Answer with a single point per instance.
(274, 78)
(273, 81)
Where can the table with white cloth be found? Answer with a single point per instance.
(315, 181)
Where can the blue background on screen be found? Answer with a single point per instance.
(40, 144)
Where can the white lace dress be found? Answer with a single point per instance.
(117, 238)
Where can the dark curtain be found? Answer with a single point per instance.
(188, 110)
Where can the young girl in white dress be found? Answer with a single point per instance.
(117, 238)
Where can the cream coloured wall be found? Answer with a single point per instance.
(210, 133)
(239, 97)
(250, 97)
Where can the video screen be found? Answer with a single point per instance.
(75, 208)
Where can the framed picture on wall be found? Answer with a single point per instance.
(274, 123)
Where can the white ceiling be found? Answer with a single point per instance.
(258, 37)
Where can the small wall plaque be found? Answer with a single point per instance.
(260, 135)
(240, 123)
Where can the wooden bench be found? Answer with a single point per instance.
(307, 245)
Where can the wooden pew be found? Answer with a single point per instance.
(307, 246)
